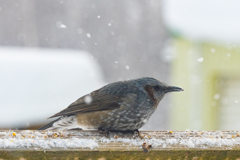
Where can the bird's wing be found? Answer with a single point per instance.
(100, 101)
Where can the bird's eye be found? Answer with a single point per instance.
(157, 88)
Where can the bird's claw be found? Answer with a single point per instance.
(105, 132)
(138, 134)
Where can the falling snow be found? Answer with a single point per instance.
(145, 121)
(200, 59)
(213, 50)
(88, 99)
(216, 96)
(88, 35)
(79, 30)
(61, 25)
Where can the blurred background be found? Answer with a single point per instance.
(53, 52)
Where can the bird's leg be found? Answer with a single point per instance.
(138, 133)
(136, 130)
(102, 131)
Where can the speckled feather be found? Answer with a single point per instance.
(122, 106)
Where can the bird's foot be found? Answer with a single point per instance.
(105, 132)
(136, 131)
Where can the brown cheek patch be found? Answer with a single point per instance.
(150, 92)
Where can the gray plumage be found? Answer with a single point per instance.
(121, 106)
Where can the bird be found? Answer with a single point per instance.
(119, 106)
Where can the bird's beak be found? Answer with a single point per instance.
(174, 89)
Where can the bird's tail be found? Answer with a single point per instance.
(62, 123)
(49, 125)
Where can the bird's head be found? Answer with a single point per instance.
(156, 89)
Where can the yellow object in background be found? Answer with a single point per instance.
(210, 76)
